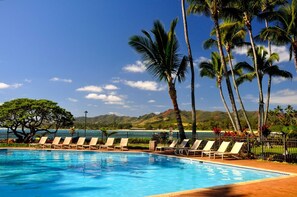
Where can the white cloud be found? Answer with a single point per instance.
(110, 87)
(282, 51)
(61, 80)
(72, 100)
(284, 97)
(138, 67)
(151, 101)
(28, 80)
(6, 86)
(199, 60)
(90, 89)
(144, 85)
(115, 113)
(108, 99)
(278, 80)
(240, 50)
(281, 97)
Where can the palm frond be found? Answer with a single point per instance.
(209, 43)
(182, 70)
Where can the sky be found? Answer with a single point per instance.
(76, 53)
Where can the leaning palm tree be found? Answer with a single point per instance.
(213, 69)
(232, 34)
(285, 31)
(216, 10)
(190, 57)
(163, 61)
(265, 67)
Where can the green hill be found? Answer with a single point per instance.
(164, 120)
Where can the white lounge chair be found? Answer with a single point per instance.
(207, 147)
(109, 144)
(181, 146)
(65, 144)
(123, 144)
(56, 141)
(79, 144)
(234, 151)
(93, 144)
(223, 148)
(170, 147)
(193, 147)
(41, 142)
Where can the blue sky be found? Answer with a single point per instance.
(76, 53)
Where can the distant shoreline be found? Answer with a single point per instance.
(162, 130)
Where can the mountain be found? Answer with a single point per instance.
(166, 119)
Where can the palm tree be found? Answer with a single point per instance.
(268, 10)
(245, 11)
(214, 9)
(162, 60)
(194, 126)
(265, 67)
(232, 34)
(285, 31)
(213, 69)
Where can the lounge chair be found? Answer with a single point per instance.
(56, 141)
(234, 151)
(109, 144)
(223, 148)
(123, 144)
(181, 146)
(65, 144)
(93, 144)
(79, 144)
(41, 142)
(170, 147)
(193, 147)
(207, 147)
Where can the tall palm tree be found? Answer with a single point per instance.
(163, 61)
(265, 67)
(246, 11)
(268, 10)
(285, 31)
(213, 69)
(190, 57)
(232, 34)
(214, 9)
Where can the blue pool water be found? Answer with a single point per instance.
(39, 173)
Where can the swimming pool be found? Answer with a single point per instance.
(75, 173)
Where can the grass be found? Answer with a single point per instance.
(276, 149)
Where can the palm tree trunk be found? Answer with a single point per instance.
(173, 96)
(261, 103)
(295, 54)
(231, 96)
(226, 107)
(194, 126)
(267, 101)
(269, 81)
(238, 94)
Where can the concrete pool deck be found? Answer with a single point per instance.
(283, 186)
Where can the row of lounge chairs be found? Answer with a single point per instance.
(93, 144)
(206, 150)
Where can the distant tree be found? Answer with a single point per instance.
(25, 117)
